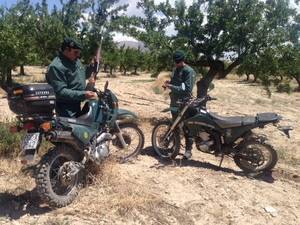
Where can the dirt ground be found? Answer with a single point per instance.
(148, 190)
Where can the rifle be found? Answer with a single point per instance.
(91, 85)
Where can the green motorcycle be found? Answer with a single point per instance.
(217, 135)
(77, 141)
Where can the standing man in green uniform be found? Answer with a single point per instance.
(68, 77)
(181, 86)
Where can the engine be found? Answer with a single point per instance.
(204, 142)
(100, 148)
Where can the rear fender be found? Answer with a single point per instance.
(286, 130)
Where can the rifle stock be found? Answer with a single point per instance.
(91, 85)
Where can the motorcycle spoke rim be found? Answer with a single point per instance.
(132, 139)
(254, 157)
(56, 185)
(168, 149)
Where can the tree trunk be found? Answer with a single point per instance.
(105, 68)
(255, 78)
(122, 68)
(110, 71)
(22, 70)
(297, 78)
(248, 76)
(281, 77)
(8, 77)
(2, 75)
(135, 70)
(203, 84)
(224, 72)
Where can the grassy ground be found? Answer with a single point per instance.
(149, 190)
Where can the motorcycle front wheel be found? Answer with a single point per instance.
(133, 138)
(165, 147)
(253, 156)
(54, 185)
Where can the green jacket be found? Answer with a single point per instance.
(68, 80)
(182, 83)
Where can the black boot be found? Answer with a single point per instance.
(187, 154)
(188, 147)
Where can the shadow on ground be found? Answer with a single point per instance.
(162, 163)
(14, 205)
(248, 82)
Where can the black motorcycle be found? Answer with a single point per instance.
(218, 135)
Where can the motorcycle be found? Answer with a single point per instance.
(77, 141)
(218, 135)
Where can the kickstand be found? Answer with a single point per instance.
(222, 157)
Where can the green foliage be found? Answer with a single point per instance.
(284, 87)
(157, 90)
(216, 34)
(10, 143)
(259, 37)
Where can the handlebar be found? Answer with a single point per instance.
(100, 93)
(195, 101)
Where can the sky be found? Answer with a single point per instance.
(132, 3)
(131, 10)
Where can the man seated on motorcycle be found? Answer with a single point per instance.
(181, 86)
(68, 77)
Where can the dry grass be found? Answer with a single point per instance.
(113, 193)
(120, 197)
(146, 191)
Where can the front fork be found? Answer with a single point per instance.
(175, 123)
(120, 135)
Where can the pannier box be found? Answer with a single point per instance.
(32, 99)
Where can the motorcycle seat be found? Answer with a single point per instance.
(267, 117)
(233, 121)
(75, 121)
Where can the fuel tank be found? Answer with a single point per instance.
(196, 123)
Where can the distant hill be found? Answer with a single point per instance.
(132, 44)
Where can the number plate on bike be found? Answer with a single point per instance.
(30, 141)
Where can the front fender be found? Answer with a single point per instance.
(126, 116)
(170, 109)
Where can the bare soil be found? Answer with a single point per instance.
(148, 190)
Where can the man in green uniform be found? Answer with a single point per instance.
(181, 86)
(68, 77)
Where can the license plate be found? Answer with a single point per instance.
(30, 141)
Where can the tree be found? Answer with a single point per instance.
(215, 31)
(277, 64)
(151, 30)
(103, 18)
(51, 27)
(21, 16)
(9, 45)
(111, 58)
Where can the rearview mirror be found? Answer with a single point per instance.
(106, 86)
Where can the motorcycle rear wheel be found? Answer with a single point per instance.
(49, 185)
(165, 149)
(254, 156)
